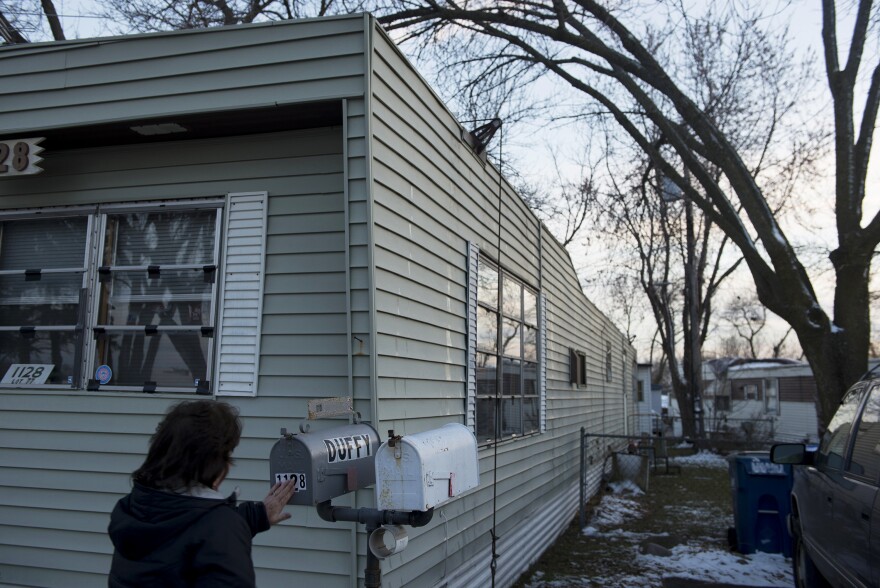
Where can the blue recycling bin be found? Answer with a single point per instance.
(761, 493)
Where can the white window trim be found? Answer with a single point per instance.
(473, 258)
(472, 285)
(247, 211)
(542, 361)
(95, 212)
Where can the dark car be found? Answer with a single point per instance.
(835, 509)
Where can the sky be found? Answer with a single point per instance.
(618, 508)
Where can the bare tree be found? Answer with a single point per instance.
(679, 272)
(748, 318)
(9, 31)
(159, 15)
(588, 44)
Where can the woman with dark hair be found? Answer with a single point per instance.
(175, 528)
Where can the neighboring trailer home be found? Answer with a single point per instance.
(269, 214)
(769, 399)
(648, 402)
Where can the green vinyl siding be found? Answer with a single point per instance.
(93, 441)
(171, 74)
(365, 294)
(432, 196)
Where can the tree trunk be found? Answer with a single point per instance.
(682, 391)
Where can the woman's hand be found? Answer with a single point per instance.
(276, 499)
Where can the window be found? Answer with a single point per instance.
(506, 355)
(832, 449)
(114, 297)
(42, 293)
(577, 367)
(640, 390)
(865, 461)
(750, 391)
(771, 396)
(156, 298)
(608, 370)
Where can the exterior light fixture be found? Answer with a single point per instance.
(159, 129)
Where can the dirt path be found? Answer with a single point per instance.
(677, 529)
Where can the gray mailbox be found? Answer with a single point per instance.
(325, 464)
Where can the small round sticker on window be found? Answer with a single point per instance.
(103, 374)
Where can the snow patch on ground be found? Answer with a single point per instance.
(696, 562)
(703, 458)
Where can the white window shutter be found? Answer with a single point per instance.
(241, 300)
(542, 360)
(473, 268)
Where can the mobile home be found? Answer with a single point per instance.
(270, 214)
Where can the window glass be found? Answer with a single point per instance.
(487, 374)
(512, 298)
(530, 344)
(771, 396)
(530, 307)
(49, 243)
(608, 362)
(577, 367)
(512, 383)
(510, 337)
(832, 450)
(54, 299)
(487, 285)
(57, 349)
(750, 391)
(46, 304)
(530, 414)
(160, 238)
(170, 359)
(485, 419)
(865, 460)
(530, 379)
(511, 416)
(487, 330)
(176, 297)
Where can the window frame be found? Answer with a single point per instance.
(96, 216)
(869, 406)
(504, 356)
(609, 362)
(97, 292)
(36, 214)
(577, 367)
(773, 385)
(838, 435)
(751, 392)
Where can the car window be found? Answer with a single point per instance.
(832, 450)
(866, 447)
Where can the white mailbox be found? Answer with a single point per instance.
(424, 470)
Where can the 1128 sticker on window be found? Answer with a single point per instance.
(27, 374)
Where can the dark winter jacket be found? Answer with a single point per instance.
(169, 540)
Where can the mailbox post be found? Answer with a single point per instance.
(412, 474)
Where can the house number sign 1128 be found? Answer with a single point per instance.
(19, 157)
